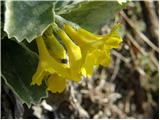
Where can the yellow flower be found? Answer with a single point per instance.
(75, 36)
(56, 83)
(84, 49)
(47, 64)
(54, 47)
(95, 49)
(74, 54)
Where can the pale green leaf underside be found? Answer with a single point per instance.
(18, 66)
(65, 7)
(27, 19)
(92, 15)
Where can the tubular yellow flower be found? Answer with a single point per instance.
(82, 42)
(47, 64)
(76, 37)
(74, 54)
(89, 35)
(87, 39)
(56, 83)
(54, 47)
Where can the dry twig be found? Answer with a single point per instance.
(140, 34)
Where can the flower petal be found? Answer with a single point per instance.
(90, 36)
(105, 57)
(55, 83)
(90, 61)
(38, 76)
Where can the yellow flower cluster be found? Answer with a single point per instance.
(68, 53)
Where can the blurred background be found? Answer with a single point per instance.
(128, 88)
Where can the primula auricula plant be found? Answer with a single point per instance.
(68, 52)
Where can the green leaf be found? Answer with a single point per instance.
(92, 15)
(27, 19)
(18, 65)
(64, 7)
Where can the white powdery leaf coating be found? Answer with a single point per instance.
(27, 19)
(64, 7)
